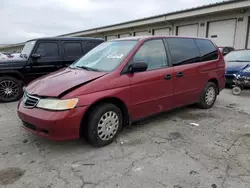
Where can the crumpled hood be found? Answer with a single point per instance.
(56, 83)
(235, 66)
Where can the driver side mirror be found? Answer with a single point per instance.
(36, 56)
(137, 67)
(225, 52)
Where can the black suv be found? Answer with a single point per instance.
(39, 57)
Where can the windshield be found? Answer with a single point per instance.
(240, 56)
(105, 57)
(247, 69)
(28, 47)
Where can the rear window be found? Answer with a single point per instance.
(208, 51)
(73, 49)
(183, 51)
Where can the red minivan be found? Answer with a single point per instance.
(121, 81)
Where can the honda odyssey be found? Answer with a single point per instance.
(121, 81)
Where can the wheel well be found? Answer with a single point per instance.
(12, 74)
(215, 81)
(119, 103)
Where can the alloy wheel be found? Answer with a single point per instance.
(8, 89)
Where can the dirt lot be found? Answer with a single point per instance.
(164, 151)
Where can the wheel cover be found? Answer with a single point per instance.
(8, 89)
(210, 95)
(236, 90)
(108, 125)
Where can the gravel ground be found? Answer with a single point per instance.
(167, 150)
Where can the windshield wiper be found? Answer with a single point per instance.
(87, 68)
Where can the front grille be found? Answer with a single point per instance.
(29, 101)
(29, 126)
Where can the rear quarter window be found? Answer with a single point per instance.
(73, 49)
(89, 45)
(208, 51)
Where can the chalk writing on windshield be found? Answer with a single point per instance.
(115, 56)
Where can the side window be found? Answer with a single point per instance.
(208, 51)
(48, 49)
(153, 53)
(89, 45)
(72, 49)
(183, 51)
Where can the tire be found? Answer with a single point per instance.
(236, 90)
(11, 89)
(208, 96)
(104, 124)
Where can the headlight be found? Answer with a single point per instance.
(57, 104)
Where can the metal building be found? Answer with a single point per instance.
(226, 23)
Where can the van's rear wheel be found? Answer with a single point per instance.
(104, 123)
(208, 96)
(10, 89)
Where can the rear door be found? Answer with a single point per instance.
(152, 90)
(124, 35)
(209, 66)
(222, 32)
(162, 32)
(111, 37)
(188, 30)
(142, 33)
(72, 50)
(184, 57)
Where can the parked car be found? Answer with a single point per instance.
(225, 50)
(241, 80)
(15, 55)
(39, 57)
(7, 54)
(235, 62)
(121, 81)
(3, 56)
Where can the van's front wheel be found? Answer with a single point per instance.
(104, 123)
(208, 96)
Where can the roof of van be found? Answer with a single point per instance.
(155, 36)
(67, 38)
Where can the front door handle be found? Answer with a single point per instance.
(179, 74)
(168, 77)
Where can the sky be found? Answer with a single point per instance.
(22, 20)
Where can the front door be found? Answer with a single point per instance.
(50, 59)
(152, 90)
(184, 58)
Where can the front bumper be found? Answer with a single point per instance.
(54, 125)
